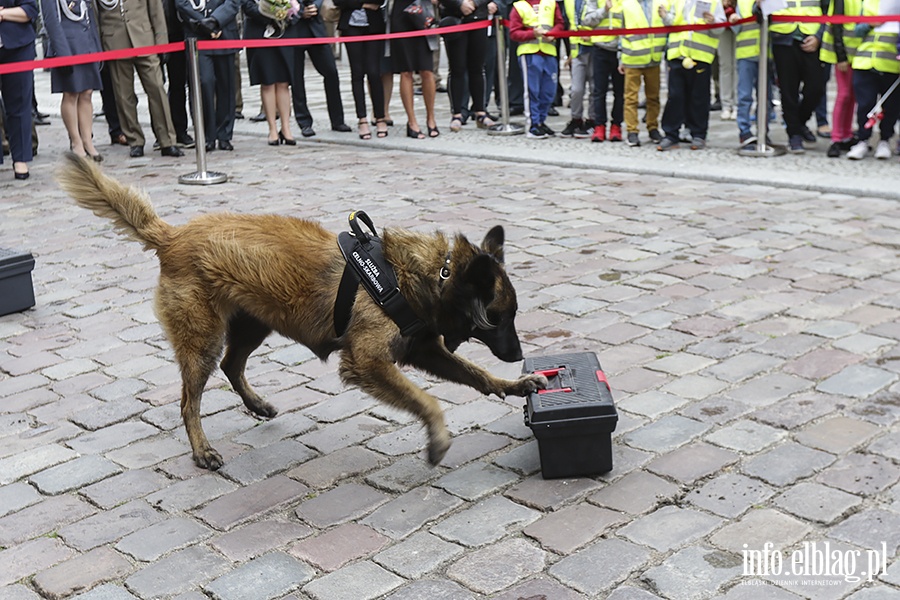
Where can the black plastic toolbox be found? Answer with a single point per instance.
(573, 418)
(16, 289)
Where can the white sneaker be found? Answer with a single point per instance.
(883, 150)
(726, 114)
(858, 151)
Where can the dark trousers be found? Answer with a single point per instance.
(217, 95)
(17, 90)
(176, 71)
(110, 111)
(688, 100)
(465, 55)
(514, 78)
(323, 61)
(605, 69)
(868, 86)
(365, 66)
(797, 68)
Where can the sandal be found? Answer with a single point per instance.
(364, 135)
(456, 124)
(382, 133)
(433, 131)
(414, 133)
(483, 121)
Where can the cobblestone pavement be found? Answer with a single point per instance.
(749, 333)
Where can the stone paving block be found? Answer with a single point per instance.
(109, 413)
(342, 434)
(635, 493)
(124, 487)
(406, 513)
(21, 465)
(251, 501)
(260, 463)
(433, 590)
(690, 463)
(281, 427)
(360, 581)
(475, 480)
(472, 414)
(18, 592)
(769, 389)
(681, 364)
(715, 410)
(339, 545)
(31, 557)
(485, 522)
(741, 367)
(537, 587)
(403, 474)
(190, 493)
(255, 539)
(550, 494)
(837, 435)
(870, 528)
(887, 445)
(879, 592)
(269, 576)
(571, 527)
(405, 440)
(16, 496)
(857, 381)
(344, 503)
(471, 446)
(756, 589)
(694, 387)
(42, 517)
(631, 593)
(758, 527)
(74, 474)
(798, 410)
(523, 459)
(651, 404)
(669, 527)
(786, 463)
(185, 570)
(730, 495)
(815, 502)
(108, 591)
(148, 452)
(346, 404)
(746, 436)
(620, 559)
(693, 573)
(498, 566)
(108, 526)
(82, 573)
(863, 474)
(821, 363)
(150, 543)
(666, 434)
(112, 437)
(325, 471)
(417, 555)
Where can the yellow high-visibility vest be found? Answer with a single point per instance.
(698, 45)
(544, 14)
(798, 8)
(612, 21)
(570, 15)
(746, 42)
(851, 42)
(641, 49)
(878, 50)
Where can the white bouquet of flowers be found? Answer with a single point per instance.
(279, 10)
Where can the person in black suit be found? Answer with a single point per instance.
(311, 25)
(359, 17)
(214, 20)
(17, 89)
(176, 71)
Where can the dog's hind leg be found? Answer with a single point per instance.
(245, 334)
(384, 381)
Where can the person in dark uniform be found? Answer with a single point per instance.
(214, 20)
(176, 71)
(72, 30)
(17, 89)
(311, 26)
(272, 69)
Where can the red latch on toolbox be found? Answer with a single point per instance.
(551, 374)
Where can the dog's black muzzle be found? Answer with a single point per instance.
(503, 341)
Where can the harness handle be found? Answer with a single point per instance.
(362, 236)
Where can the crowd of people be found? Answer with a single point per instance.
(863, 58)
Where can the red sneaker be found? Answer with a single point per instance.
(599, 134)
(615, 133)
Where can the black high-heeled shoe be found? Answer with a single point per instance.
(413, 133)
(286, 140)
(382, 133)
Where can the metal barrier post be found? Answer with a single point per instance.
(504, 127)
(201, 176)
(762, 99)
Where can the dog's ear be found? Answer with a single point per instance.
(481, 276)
(493, 243)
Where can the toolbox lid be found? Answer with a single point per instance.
(578, 390)
(10, 258)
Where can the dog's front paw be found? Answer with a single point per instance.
(527, 384)
(437, 448)
(208, 458)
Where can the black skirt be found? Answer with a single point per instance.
(408, 54)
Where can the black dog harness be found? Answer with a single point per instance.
(366, 264)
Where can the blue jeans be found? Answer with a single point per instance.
(540, 80)
(748, 81)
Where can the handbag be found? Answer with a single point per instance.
(420, 14)
(330, 12)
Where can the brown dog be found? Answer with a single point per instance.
(229, 280)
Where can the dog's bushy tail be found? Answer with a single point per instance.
(129, 209)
